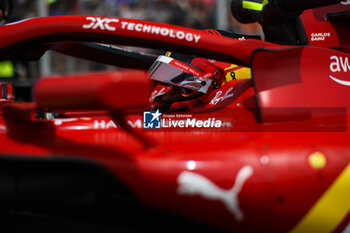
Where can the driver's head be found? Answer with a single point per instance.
(182, 83)
(187, 85)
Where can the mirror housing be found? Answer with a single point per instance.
(115, 91)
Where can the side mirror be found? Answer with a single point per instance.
(114, 91)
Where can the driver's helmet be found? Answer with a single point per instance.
(181, 74)
(187, 82)
(183, 84)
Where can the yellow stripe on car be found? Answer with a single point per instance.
(330, 210)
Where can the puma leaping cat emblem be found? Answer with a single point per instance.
(347, 2)
(191, 183)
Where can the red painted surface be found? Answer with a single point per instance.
(324, 33)
(282, 186)
(68, 28)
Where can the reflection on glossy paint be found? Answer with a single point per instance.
(191, 165)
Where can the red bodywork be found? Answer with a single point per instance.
(282, 161)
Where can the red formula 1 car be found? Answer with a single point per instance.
(247, 135)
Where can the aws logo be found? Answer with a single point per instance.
(340, 65)
(347, 2)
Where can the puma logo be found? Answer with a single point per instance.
(347, 2)
(191, 183)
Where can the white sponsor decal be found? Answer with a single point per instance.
(106, 24)
(347, 2)
(320, 36)
(186, 68)
(111, 125)
(191, 183)
(157, 93)
(339, 64)
(219, 98)
(103, 24)
(139, 27)
(342, 82)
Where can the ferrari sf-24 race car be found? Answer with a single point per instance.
(243, 134)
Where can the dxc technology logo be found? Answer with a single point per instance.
(151, 120)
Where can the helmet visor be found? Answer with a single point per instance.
(171, 71)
